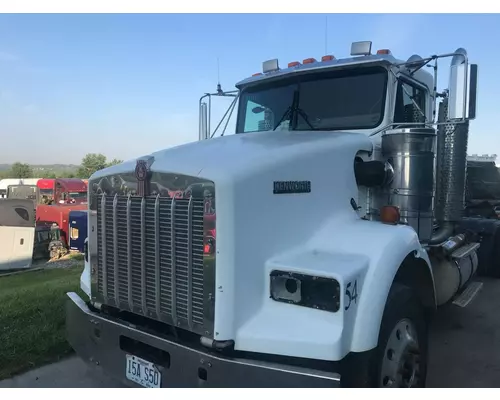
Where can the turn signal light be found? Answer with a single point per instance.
(209, 242)
(327, 58)
(309, 61)
(390, 215)
(383, 51)
(293, 64)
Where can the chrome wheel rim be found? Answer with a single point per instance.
(401, 360)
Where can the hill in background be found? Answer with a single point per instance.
(57, 169)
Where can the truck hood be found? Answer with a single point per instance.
(234, 156)
(258, 219)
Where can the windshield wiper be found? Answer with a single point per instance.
(302, 113)
(294, 108)
(289, 110)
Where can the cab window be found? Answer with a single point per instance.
(405, 110)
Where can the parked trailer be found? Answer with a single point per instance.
(332, 245)
(5, 183)
(17, 233)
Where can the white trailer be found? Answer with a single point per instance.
(5, 183)
(307, 249)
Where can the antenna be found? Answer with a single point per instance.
(218, 70)
(326, 34)
(219, 88)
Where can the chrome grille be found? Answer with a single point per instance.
(150, 257)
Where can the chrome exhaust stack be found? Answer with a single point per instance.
(204, 133)
(452, 141)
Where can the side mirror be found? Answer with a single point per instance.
(462, 95)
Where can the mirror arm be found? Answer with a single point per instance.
(423, 64)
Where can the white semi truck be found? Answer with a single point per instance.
(309, 248)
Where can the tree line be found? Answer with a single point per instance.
(91, 163)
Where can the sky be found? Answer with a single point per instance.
(126, 85)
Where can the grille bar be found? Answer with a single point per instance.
(157, 255)
(189, 265)
(129, 254)
(173, 271)
(143, 254)
(104, 249)
(115, 248)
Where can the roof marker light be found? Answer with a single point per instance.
(327, 58)
(257, 74)
(309, 61)
(383, 51)
(293, 64)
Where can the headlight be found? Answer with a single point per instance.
(305, 290)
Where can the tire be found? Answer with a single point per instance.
(400, 358)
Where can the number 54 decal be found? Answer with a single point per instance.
(351, 293)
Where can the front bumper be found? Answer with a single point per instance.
(97, 340)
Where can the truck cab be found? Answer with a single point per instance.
(46, 187)
(70, 191)
(310, 253)
(30, 192)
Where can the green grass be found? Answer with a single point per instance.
(32, 318)
(77, 256)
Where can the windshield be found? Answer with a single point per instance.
(46, 192)
(334, 100)
(21, 192)
(78, 195)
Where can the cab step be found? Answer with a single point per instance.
(464, 298)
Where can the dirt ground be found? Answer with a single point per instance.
(465, 342)
(463, 351)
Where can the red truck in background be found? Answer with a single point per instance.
(46, 187)
(64, 190)
(65, 195)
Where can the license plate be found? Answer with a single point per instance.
(142, 372)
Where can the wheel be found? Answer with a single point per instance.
(400, 359)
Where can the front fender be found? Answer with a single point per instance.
(364, 257)
(385, 247)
